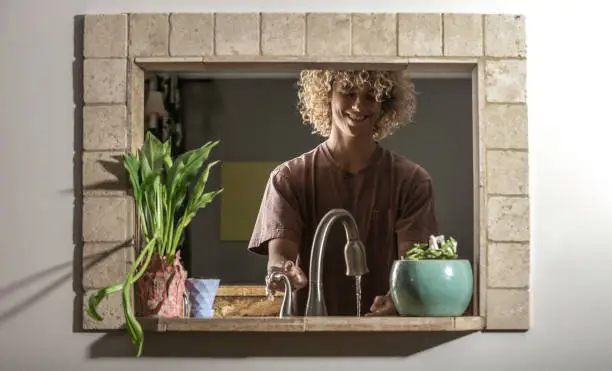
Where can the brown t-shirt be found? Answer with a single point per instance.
(391, 200)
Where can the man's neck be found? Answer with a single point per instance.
(353, 153)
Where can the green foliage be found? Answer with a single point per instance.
(438, 248)
(160, 188)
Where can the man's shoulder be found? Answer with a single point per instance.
(296, 165)
(406, 169)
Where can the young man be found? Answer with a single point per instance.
(390, 197)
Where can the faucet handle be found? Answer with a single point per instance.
(287, 304)
(355, 257)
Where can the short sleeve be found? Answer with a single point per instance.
(278, 215)
(417, 216)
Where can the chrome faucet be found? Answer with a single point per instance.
(354, 257)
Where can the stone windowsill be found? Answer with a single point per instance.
(313, 324)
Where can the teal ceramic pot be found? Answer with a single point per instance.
(431, 288)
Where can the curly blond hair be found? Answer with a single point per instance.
(394, 89)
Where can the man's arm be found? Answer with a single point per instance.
(417, 219)
(281, 250)
(416, 222)
(278, 228)
(282, 254)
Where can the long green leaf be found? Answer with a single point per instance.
(95, 299)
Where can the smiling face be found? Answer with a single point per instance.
(355, 111)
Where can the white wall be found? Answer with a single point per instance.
(570, 185)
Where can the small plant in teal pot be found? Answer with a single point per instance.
(431, 281)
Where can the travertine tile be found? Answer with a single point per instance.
(136, 118)
(282, 33)
(505, 35)
(377, 324)
(103, 173)
(505, 81)
(508, 309)
(482, 251)
(328, 34)
(236, 34)
(507, 172)
(148, 36)
(478, 99)
(468, 323)
(111, 310)
(239, 306)
(104, 81)
(105, 264)
(248, 324)
(508, 218)
(105, 127)
(482, 204)
(419, 34)
(374, 34)
(191, 34)
(508, 265)
(505, 126)
(105, 36)
(463, 35)
(107, 219)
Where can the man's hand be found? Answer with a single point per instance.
(281, 256)
(292, 271)
(382, 306)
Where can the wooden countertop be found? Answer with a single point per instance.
(313, 324)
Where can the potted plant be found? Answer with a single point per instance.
(431, 281)
(165, 203)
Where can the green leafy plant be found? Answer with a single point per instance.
(160, 188)
(438, 248)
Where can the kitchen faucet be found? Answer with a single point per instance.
(354, 258)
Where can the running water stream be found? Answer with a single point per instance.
(358, 294)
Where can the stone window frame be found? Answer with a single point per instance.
(119, 48)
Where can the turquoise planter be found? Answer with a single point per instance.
(431, 288)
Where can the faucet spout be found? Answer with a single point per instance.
(354, 257)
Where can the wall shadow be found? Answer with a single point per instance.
(46, 275)
(245, 344)
(43, 276)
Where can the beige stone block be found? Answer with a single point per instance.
(105, 264)
(104, 81)
(507, 172)
(105, 36)
(463, 35)
(508, 309)
(136, 107)
(328, 34)
(482, 251)
(505, 81)
(237, 34)
(283, 33)
(419, 34)
(374, 34)
(191, 34)
(105, 127)
(103, 173)
(508, 265)
(505, 126)
(107, 219)
(505, 35)
(149, 34)
(111, 310)
(508, 218)
(478, 99)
